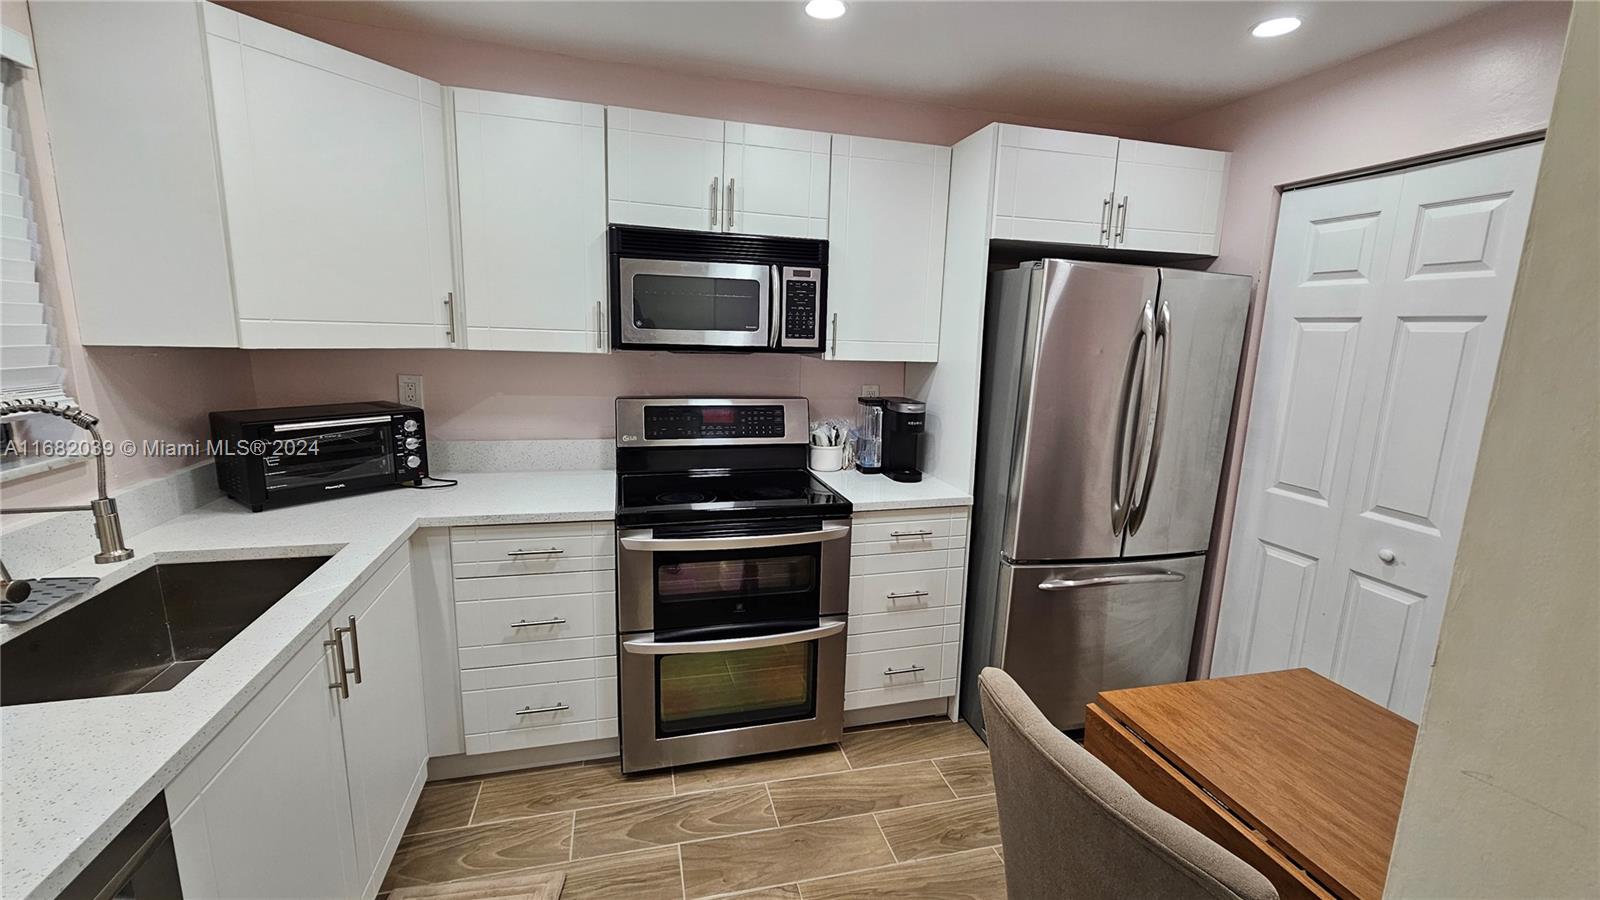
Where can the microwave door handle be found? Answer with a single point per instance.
(775, 307)
(737, 542)
(649, 646)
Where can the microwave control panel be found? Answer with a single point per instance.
(802, 308)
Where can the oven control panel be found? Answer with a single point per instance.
(679, 423)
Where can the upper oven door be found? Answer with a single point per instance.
(665, 303)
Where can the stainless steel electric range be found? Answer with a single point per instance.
(733, 582)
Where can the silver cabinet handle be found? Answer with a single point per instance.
(529, 710)
(713, 203)
(546, 551)
(599, 325)
(342, 682)
(738, 542)
(1122, 220)
(917, 533)
(833, 335)
(355, 650)
(524, 623)
(1105, 219)
(649, 646)
(905, 595)
(450, 317)
(1064, 584)
(905, 671)
(727, 212)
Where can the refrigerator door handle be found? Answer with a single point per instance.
(1127, 463)
(1066, 584)
(1157, 394)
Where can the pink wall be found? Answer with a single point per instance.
(489, 395)
(1485, 78)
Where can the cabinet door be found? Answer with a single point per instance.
(334, 177)
(1054, 185)
(532, 180)
(1169, 198)
(886, 216)
(385, 735)
(663, 170)
(776, 181)
(274, 819)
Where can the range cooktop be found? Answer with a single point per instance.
(662, 497)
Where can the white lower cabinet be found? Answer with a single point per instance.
(907, 593)
(536, 628)
(305, 793)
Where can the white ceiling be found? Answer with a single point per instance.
(1134, 62)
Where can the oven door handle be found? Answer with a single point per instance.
(737, 542)
(649, 646)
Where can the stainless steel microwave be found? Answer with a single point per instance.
(699, 290)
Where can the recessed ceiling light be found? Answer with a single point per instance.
(825, 9)
(1269, 28)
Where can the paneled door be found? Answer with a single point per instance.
(532, 180)
(1168, 198)
(1385, 313)
(663, 169)
(775, 181)
(1054, 186)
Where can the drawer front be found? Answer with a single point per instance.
(525, 619)
(511, 587)
(528, 706)
(907, 668)
(901, 536)
(535, 531)
(895, 592)
(490, 550)
(911, 561)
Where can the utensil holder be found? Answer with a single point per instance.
(826, 459)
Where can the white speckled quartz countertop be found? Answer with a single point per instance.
(873, 492)
(73, 773)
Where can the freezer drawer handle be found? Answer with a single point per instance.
(1067, 584)
(519, 552)
(649, 646)
(526, 624)
(908, 670)
(528, 710)
(737, 542)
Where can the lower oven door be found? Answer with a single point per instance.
(694, 697)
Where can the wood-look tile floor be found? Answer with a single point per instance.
(901, 810)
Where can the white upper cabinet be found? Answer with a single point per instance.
(334, 174)
(251, 187)
(675, 171)
(886, 249)
(664, 170)
(532, 198)
(1168, 198)
(1054, 186)
(775, 181)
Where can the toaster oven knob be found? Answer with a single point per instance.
(413, 461)
(409, 425)
(412, 443)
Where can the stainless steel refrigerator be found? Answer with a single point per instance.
(1106, 397)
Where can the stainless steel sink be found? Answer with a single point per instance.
(145, 634)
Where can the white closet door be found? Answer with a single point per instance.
(1384, 319)
(1169, 198)
(664, 170)
(1054, 185)
(775, 181)
(532, 184)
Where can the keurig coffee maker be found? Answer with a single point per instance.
(888, 435)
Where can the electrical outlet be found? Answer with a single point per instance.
(869, 390)
(411, 389)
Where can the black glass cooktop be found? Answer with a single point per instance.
(651, 498)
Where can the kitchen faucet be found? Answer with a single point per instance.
(107, 525)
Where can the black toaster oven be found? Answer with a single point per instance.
(292, 454)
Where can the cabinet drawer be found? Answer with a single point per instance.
(524, 619)
(519, 556)
(909, 561)
(528, 706)
(900, 532)
(553, 584)
(907, 668)
(530, 532)
(897, 591)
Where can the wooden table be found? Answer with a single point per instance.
(1296, 775)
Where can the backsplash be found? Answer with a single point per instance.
(487, 395)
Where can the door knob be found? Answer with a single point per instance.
(1386, 555)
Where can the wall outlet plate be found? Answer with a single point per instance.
(410, 389)
(869, 390)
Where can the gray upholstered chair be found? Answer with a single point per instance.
(1071, 828)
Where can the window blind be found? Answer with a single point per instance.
(30, 363)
